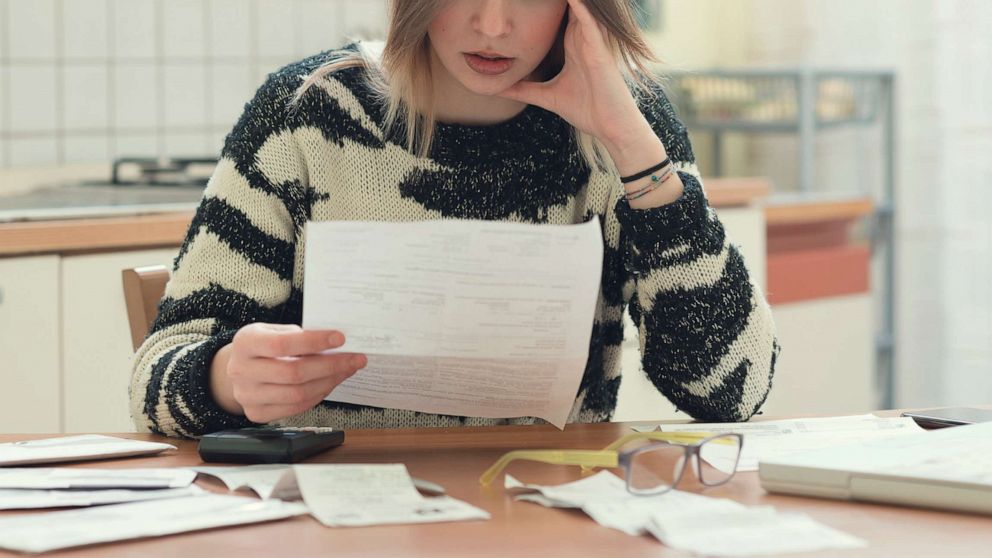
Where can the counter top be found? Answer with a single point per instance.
(88, 219)
(87, 201)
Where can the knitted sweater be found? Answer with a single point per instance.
(706, 335)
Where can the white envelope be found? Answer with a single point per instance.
(75, 448)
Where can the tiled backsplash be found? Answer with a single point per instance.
(90, 80)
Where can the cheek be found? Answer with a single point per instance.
(541, 32)
(440, 30)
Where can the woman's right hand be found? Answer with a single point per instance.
(273, 371)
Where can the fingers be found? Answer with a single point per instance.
(587, 22)
(305, 395)
(532, 93)
(278, 340)
(300, 370)
(275, 402)
(580, 12)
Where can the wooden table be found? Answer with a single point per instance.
(454, 458)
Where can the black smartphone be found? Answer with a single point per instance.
(268, 444)
(949, 416)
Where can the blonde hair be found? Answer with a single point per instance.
(400, 74)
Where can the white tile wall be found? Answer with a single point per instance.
(136, 94)
(33, 151)
(231, 87)
(134, 33)
(85, 101)
(87, 148)
(32, 98)
(275, 29)
(133, 144)
(184, 93)
(230, 28)
(85, 29)
(183, 32)
(31, 28)
(88, 80)
(320, 25)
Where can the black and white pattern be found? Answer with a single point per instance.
(706, 334)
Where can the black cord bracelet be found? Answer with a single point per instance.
(643, 173)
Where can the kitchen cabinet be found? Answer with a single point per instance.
(96, 340)
(30, 337)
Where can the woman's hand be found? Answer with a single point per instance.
(273, 371)
(589, 92)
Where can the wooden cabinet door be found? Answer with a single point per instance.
(30, 396)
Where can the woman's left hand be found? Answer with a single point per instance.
(589, 92)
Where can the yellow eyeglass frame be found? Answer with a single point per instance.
(590, 459)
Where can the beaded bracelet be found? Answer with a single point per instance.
(656, 182)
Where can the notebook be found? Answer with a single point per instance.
(950, 469)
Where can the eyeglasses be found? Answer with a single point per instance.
(654, 465)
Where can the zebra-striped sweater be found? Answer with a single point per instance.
(706, 335)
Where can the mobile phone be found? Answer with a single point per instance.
(949, 416)
(268, 444)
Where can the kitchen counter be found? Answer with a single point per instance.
(84, 201)
(78, 219)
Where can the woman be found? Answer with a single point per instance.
(523, 110)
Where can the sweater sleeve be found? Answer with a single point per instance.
(235, 267)
(706, 333)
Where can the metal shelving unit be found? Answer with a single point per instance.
(807, 102)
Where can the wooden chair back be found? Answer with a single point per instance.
(143, 289)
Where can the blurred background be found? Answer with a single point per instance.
(846, 146)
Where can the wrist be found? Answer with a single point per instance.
(221, 389)
(642, 152)
(636, 150)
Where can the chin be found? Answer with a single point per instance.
(488, 87)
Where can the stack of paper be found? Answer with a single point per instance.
(337, 495)
(75, 448)
(700, 524)
(34, 533)
(776, 438)
(62, 487)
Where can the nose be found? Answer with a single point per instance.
(492, 18)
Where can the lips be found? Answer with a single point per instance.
(487, 62)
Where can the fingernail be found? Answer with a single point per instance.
(358, 361)
(336, 339)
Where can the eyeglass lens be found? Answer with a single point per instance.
(656, 467)
(723, 451)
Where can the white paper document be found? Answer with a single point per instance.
(19, 499)
(279, 481)
(353, 495)
(605, 499)
(699, 524)
(65, 477)
(35, 532)
(776, 438)
(75, 448)
(472, 318)
(745, 531)
(268, 481)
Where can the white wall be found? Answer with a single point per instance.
(90, 80)
(942, 54)
(963, 88)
